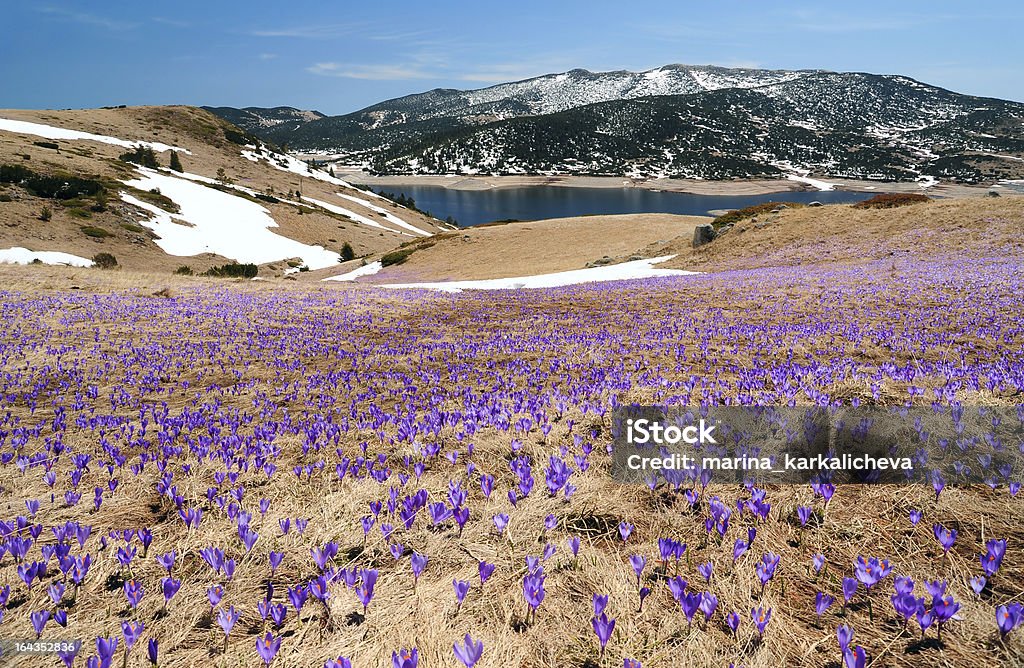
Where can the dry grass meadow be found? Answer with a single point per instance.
(212, 364)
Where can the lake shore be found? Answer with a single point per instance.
(690, 186)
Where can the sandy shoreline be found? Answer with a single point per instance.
(691, 186)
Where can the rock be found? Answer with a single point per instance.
(634, 258)
(703, 234)
(779, 208)
(814, 204)
(993, 193)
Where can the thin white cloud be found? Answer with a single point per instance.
(372, 72)
(325, 31)
(267, 56)
(85, 18)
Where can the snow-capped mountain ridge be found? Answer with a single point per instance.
(683, 121)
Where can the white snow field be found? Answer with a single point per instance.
(614, 272)
(51, 132)
(366, 270)
(820, 185)
(212, 221)
(387, 214)
(19, 255)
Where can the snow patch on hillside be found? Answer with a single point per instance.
(212, 221)
(365, 270)
(614, 272)
(51, 132)
(19, 255)
(351, 214)
(387, 214)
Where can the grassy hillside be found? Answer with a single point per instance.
(214, 152)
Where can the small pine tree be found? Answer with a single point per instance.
(347, 253)
(330, 170)
(175, 163)
(45, 214)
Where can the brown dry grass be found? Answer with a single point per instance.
(968, 227)
(537, 247)
(860, 520)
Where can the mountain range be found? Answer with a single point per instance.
(676, 121)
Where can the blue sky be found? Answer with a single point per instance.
(339, 56)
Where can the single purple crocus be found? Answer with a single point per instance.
(978, 584)
(600, 603)
(461, 589)
(855, 657)
(761, 618)
(638, 562)
(818, 562)
(500, 522)
(804, 514)
(574, 545)
(227, 617)
(625, 530)
(105, 648)
(267, 647)
(39, 619)
(170, 587)
(708, 605)
(485, 570)
(844, 634)
(946, 537)
(822, 602)
(603, 628)
(215, 593)
(133, 592)
(469, 652)
(992, 559)
(849, 589)
(152, 650)
(418, 562)
(167, 560)
(275, 560)
(405, 658)
(131, 631)
(732, 620)
(706, 569)
(915, 516)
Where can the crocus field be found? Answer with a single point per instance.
(239, 474)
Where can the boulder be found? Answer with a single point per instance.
(703, 234)
(814, 204)
(993, 193)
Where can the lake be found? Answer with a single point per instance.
(473, 207)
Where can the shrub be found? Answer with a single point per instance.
(45, 214)
(750, 211)
(132, 227)
(4, 197)
(14, 173)
(396, 257)
(104, 260)
(183, 270)
(347, 253)
(79, 213)
(175, 163)
(141, 155)
(47, 144)
(266, 198)
(892, 200)
(233, 270)
(95, 232)
(50, 187)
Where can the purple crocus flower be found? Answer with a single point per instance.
(485, 570)
(844, 634)
(946, 537)
(461, 589)
(625, 530)
(215, 593)
(855, 657)
(732, 620)
(761, 617)
(822, 602)
(227, 617)
(603, 628)
(978, 584)
(469, 652)
(500, 522)
(267, 647)
(166, 560)
(600, 603)
(818, 562)
(1008, 617)
(39, 620)
(405, 658)
(131, 631)
(133, 592)
(915, 516)
(574, 545)
(275, 560)
(992, 559)
(638, 562)
(105, 648)
(708, 605)
(849, 589)
(804, 514)
(706, 569)
(152, 650)
(170, 587)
